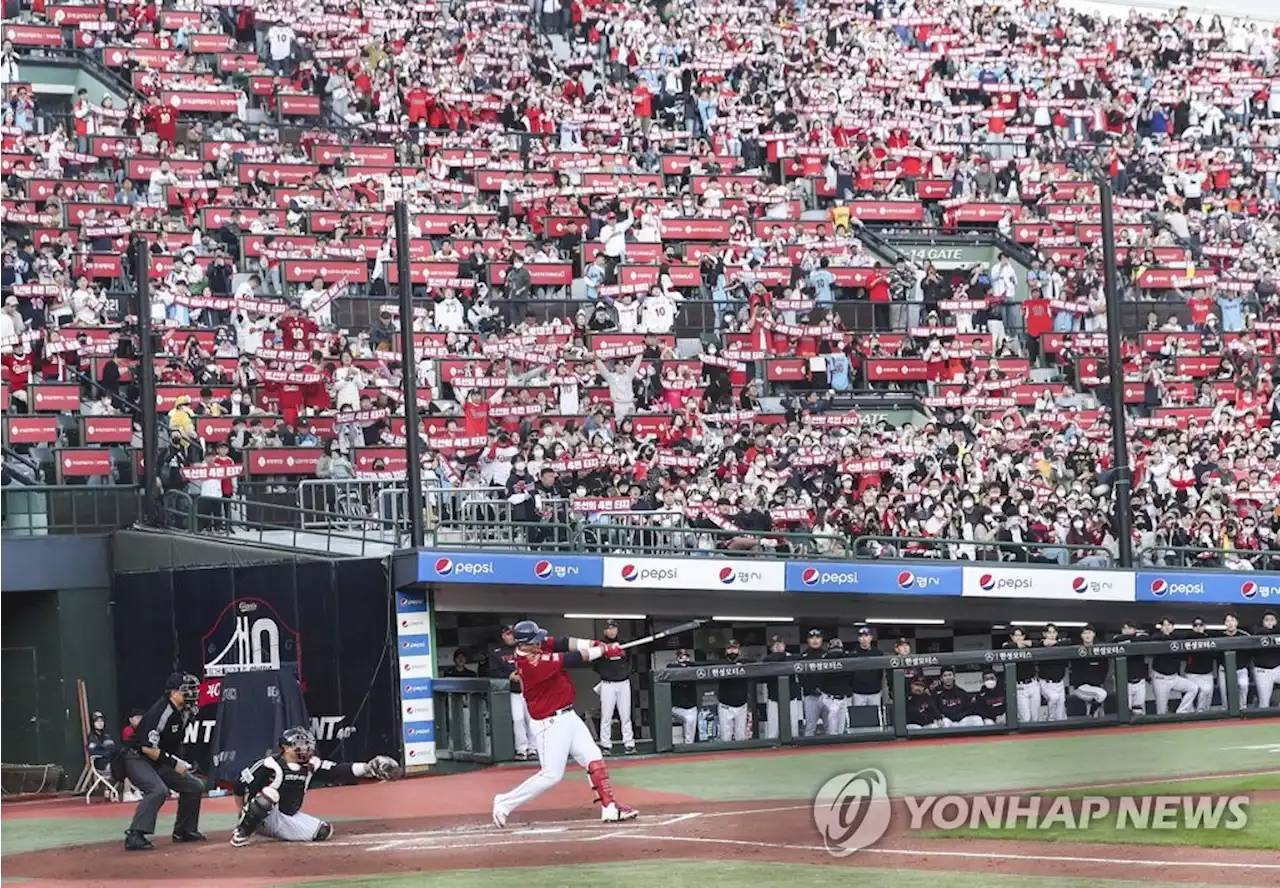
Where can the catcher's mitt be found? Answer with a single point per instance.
(384, 767)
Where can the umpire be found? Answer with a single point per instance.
(154, 765)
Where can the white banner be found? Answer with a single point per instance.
(701, 574)
(1048, 583)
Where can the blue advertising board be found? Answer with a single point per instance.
(508, 569)
(417, 669)
(1209, 587)
(873, 579)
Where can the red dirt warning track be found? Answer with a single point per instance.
(764, 832)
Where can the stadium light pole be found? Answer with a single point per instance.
(409, 375)
(1123, 483)
(147, 378)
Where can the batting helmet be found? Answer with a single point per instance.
(529, 632)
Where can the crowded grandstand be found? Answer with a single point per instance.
(661, 268)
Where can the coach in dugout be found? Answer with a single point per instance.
(955, 703)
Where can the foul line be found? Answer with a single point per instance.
(1072, 787)
(920, 852)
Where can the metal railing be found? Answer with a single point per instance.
(1197, 557)
(50, 510)
(277, 525)
(1044, 554)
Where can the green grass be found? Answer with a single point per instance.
(965, 767)
(722, 874)
(1261, 834)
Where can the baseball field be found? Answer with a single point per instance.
(731, 820)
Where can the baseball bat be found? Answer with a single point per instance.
(674, 630)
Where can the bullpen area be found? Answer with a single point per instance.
(739, 819)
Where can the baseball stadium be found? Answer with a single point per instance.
(845, 443)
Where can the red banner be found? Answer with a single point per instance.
(33, 35)
(84, 462)
(888, 210)
(896, 369)
(217, 101)
(31, 430)
(61, 397)
(301, 106)
(108, 430)
(331, 272)
(284, 461)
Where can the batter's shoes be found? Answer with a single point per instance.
(238, 839)
(631, 750)
(191, 835)
(615, 812)
(136, 841)
(522, 756)
(499, 815)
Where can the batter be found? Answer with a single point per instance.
(558, 732)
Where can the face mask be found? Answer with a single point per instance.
(582, 491)
(989, 684)
(1077, 524)
(519, 466)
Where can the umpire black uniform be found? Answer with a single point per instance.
(153, 763)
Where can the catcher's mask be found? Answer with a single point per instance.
(301, 741)
(190, 687)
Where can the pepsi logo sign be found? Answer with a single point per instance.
(1249, 590)
(986, 582)
(1160, 586)
(809, 576)
(906, 579)
(727, 576)
(542, 569)
(444, 567)
(1080, 585)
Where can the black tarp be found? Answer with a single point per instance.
(255, 709)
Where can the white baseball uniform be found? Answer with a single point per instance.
(1138, 695)
(1029, 700)
(1055, 696)
(812, 714)
(1265, 680)
(300, 827)
(1204, 689)
(1091, 694)
(733, 723)
(1162, 686)
(835, 714)
(688, 718)
(520, 724)
(771, 727)
(615, 696)
(1242, 684)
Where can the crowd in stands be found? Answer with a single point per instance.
(651, 249)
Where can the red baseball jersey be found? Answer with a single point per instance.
(547, 687)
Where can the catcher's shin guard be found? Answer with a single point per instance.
(598, 775)
(253, 815)
(323, 831)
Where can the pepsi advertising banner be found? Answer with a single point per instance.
(508, 569)
(1208, 587)
(417, 669)
(873, 579)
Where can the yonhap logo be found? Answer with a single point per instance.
(852, 811)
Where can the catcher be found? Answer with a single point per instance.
(270, 793)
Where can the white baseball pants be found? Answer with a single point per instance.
(1204, 689)
(835, 713)
(1029, 701)
(689, 721)
(1055, 696)
(1265, 680)
(1138, 695)
(733, 722)
(866, 700)
(615, 695)
(1242, 685)
(969, 721)
(1091, 694)
(812, 715)
(1162, 686)
(556, 739)
(771, 725)
(298, 827)
(520, 724)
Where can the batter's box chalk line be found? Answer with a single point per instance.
(481, 835)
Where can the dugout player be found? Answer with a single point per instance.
(1053, 676)
(1089, 676)
(810, 683)
(1244, 659)
(153, 763)
(1166, 673)
(733, 696)
(558, 731)
(684, 698)
(270, 792)
(1136, 666)
(868, 684)
(990, 703)
(502, 664)
(955, 703)
(1266, 661)
(1028, 702)
(837, 691)
(778, 654)
(922, 711)
(1202, 665)
(615, 693)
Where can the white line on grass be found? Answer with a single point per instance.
(921, 852)
(1072, 787)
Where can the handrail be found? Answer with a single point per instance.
(44, 510)
(936, 548)
(1197, 556)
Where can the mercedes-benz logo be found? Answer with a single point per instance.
(895, 662)
(1081, 652)
(701, 673)
(1174, 645)
(799, 667)
(989, 657)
